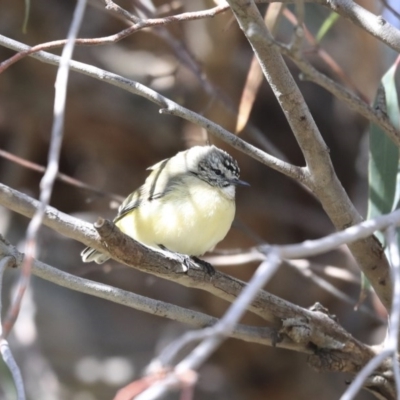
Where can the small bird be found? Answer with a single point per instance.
(186, 205)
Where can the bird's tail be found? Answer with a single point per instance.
(89, 254)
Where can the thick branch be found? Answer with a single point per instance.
(321, 177)
(323, 182)
(143, 258)
(261, 335)
(317, 326)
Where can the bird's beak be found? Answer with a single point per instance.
(238, 182)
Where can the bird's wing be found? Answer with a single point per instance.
(155, 187)
(130, 203)
(159, 183)
(159, 165)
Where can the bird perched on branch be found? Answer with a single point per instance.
(186, 205)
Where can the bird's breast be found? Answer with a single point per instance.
(190, 219)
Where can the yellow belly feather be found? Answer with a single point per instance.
(190, 222)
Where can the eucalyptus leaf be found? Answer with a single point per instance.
(26, 16)
(383, 166)
(383, 153)
(327, 25)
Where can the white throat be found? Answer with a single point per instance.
(229, 192)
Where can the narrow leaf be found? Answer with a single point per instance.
(26, 16)
(326, 26)
(383, 168)
(255, 75)
(383, 153)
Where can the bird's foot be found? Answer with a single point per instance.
(191, 262)
(203, 265)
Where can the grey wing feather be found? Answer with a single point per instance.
(155, 187)
(130, 203)
(135, 199)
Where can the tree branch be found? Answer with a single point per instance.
(261, 335)
(8, 261)
(168, 106)
(49, 177)
(371, 23)
(321, 330)
(354, 102)
(319, 175)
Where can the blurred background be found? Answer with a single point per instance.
(75, 347)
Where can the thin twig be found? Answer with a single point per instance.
(126, 249)
(187, 59)
(333, 290)
(46, 184)
(5, 263)
(240, 256)
(168, 107)
(390, 346)
(328, 334)
(195, 319)
(214, 336)
(315, 247)
(392, 240)
(84, 232)
(254, 75)
(141, 24)
(298, 35)
(62, 177)
(227, 323)
(390, 8)
(182, 53)
(355, 103)
(367, 253)
(305, 267)
(9, 360)
(375, 25)
(319, 173)
(111, 6)
(325, 56)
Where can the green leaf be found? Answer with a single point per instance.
(383, 168)
(397, 202)
(326, 26)
(383, 153)
(26, 15)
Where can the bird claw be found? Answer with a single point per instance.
(192, 262)
(204, 265)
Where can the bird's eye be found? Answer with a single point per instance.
(217, 171)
